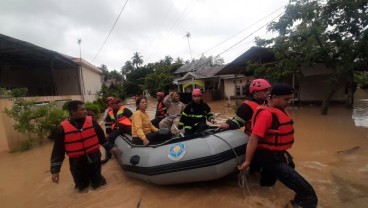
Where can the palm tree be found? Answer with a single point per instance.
(137, 59)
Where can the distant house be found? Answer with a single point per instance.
(48, 75)
(312, 87)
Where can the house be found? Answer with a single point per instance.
(311, 88)
(236, 84)
(48, 76)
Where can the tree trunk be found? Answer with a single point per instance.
(326, 101)
(350, 90)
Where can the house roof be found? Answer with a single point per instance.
(255, 54)
(194, 65)
(203, 73)
(18, 52)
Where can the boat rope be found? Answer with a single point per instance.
(242, 176)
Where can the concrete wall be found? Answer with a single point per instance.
(10, 139)
(229, 86)
(92, 84)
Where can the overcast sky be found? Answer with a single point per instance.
(153, 28)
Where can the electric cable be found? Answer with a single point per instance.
(113, 26)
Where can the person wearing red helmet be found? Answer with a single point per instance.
(272, 135)
(108, 108)
(193, 118)
(160, 109)
(117, 120)
(259, 90)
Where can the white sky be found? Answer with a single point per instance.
(153, 28)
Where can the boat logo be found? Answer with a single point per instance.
(177, 151)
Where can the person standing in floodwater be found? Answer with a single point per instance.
(272, 134)
(79, 137)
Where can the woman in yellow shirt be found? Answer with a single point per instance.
(142, 129)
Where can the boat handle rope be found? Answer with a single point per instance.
(242, 176)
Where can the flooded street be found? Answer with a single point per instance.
(330, 151)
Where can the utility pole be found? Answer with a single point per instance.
(188, 35)
(80, 68)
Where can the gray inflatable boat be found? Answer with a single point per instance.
(202, 157)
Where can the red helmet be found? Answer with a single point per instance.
(259, 84)
(160, 94)
(114, 101)
(197, 92)
(109, 98)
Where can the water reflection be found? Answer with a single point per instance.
(360, 113)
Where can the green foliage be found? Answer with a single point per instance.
(19, 92)
(333, 33)
(137, 59)
(94, 107)
(161, 79)
(4, 92)
(35, 121)
(117, 91)
(362, 79)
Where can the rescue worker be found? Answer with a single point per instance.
(272, 134)
(117, 121)
(259, 90)
(161, 109)
(108, 108)
(79, 137)
(174, 110)
(193, 118)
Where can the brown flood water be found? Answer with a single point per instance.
(330, 151)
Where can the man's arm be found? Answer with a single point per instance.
(262, 124)
(243, 114)
(101, 136)
(251, 149)
(58, 154)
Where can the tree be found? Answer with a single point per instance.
(105, 71)
(179, 61)
(332, 32)
(128, 67)
(137, 60)
(161, 79)
(168, 60)
(116, 75)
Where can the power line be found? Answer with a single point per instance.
(244, 29)
(249, 35)
(103, 44)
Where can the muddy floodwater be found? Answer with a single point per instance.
(330, 151)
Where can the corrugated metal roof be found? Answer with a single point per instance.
(194, 65)
(255, 54)
(18, 52)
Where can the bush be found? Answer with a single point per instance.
(35, 121)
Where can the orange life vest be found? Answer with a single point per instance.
(123, 120)
(280, 136)
(248, 125)
(161, 109)
(80, 141)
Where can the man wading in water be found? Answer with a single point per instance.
(79, 137)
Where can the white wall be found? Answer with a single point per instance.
(92, 84)
(229, 86)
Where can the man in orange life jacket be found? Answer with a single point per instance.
(272, 134)
(79, 137)
(117, 121)
(160, 109)
(259, 90)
